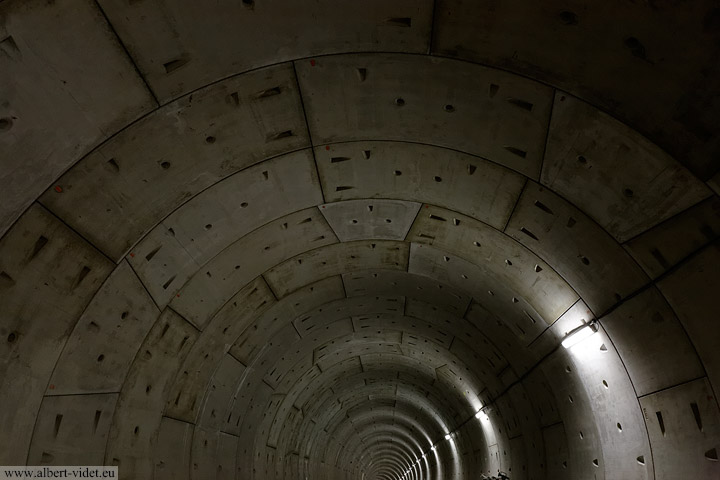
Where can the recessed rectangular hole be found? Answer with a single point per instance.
(339, 159)
(97, 420)
(361, 73)
(521, 103)
(6, 280)
(182, 344)
(529, 316)
(456, 222)
(528, 233)
(366, 154)
(9, 46)
(471, 169)
(660, 258)
(696, 414)
(399, 21)
(493, 90)
(39, 244)
(516, 151)
(435, 217)
(270, 92)
(307, 220)
(166, 327)
(661, 422)
(342, 187)
(543, 207)
(150, 255)
(173, 65)
(234, 98)
(429, 237)
(81, 276)
(266, 175)
(167, 284)
(278, 136)
(58, 421)
(571, 222)
(317, 239)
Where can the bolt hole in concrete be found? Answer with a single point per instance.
(397, 173)
(449, 108)
(399, 102)
(12, 337)
(568, 18)
(100, 358)
(165, 165)
(210, 139)
(438, 179)
(6, 123)
(628, 193)
(582, 159)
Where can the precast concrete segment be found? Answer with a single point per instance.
(621, 180)
(180, 150)
(639, 72)
(179, 49)
(48, 275)
(669, 243)
(419, 172)
(64, 92)
(240, 371)
(430, 100)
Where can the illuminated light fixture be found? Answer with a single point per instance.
(579, 334)
(447, 436)
(478, 414)
(434, 448)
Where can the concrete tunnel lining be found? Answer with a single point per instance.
(225, 254)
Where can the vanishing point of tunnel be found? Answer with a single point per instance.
(361, 240)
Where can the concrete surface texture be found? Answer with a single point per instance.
(289, 239)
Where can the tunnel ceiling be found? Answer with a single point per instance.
(265, 239)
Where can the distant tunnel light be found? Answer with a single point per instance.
(579, 334)
(478, 414)
(447, 436)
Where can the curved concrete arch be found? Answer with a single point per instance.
(236, 240)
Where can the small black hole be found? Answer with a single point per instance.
(210, 139)
(399, 102)
(438, 179)
(582, 159)
(165, 165)
(568, 18)
(397, 173)
(12, 337)
(243, 205)
(628, 193)
(208, 226)
(101, 357)
(449, 108)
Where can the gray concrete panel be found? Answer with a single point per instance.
(248, 258)
(670, 242)
(72, 430)
(172, 454)
(613, 174)
(408, 285)
(133, 436)
(47, 277)
(640, 68)
(194, 234)
(106, 338)
(192, 381)
(423, 173)
(336, 259)
(213, 455)
(182, 47)
(217, 402)
(435, 101)
(652, 343)
(121, 190)
(502, 258)
(691, 291)
(577, 248)
(684, 427)
(367, 220)
(64, 92)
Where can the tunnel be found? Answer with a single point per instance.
(377, 240)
